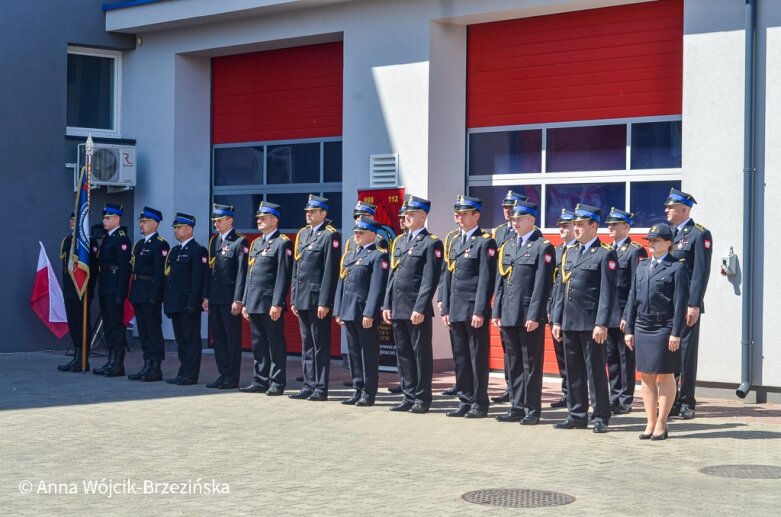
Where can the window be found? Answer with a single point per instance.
(93, 92)
(627, 163)
(284, 173)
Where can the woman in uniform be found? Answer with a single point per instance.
(655, 316)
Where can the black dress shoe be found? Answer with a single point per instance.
(300, 378)
(570, 424)
(460, 411)
(303, 394)
(656, 437)
(184, 381)
(418, 408)
(254, 388)
(365, 401)
(77, 368)
(687, 413)
(394, 389)
(109, 363)
(562, 402)
(530, 420)
(675, 410)
(154, 374)
(318, 396)
(476, 413)
(599, 426)
(510, 416)
(451, 391)
(216, 382)
(622, 410)
(347, 384)
(352, 400)
(275, 391)
(645, 436)
(67, 366)
(116, 370)
(228, 386)
(404, 406)
(174, 380)
(137, 376)
(503, 398)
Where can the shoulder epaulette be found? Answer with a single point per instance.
(121, 233)
(284, 237)
(682, 259)
(487, 235)
(301, 230)
(381, 250)
(606, 246)
(240, 235)
(644, 258)
(545, 241)
(399, 237)
(576, 245)
(700, 227)
(636, 244)
(330, 228)
(160, 238)
(433, 237)
(451, 232)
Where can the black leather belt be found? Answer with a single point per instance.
(659, 318)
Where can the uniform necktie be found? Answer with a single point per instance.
(615, 245)
(463, 240)
(675, 230)
(654, 262)
(520, 241)
(583, 249)
(358, 249)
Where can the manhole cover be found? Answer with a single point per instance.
(744, 471)
(518, 498)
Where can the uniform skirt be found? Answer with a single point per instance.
(651, 348)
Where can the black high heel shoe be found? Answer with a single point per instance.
(657, 437)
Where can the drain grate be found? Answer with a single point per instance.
(518, 498)
(743, 471)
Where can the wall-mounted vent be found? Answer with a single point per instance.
(384, 170)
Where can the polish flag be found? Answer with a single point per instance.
(47, 300)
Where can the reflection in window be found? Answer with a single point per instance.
(335, 209)
(600, 195)
(589, 148)
(90, 92)
(293, 163)
(292, 209)
(332, 162)
(245, 204)
(491, 214)
(656, 145)
(238, 166)
(646, 201)
(505, 152)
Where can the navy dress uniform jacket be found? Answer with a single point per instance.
(148, 265)
(68, 287)
(414, 276)
(659, 296)
(469, 287)
(629, 255)
(227, 269)
(522, 292)
(269, 271)
(316, 267)
(185, 274)
(379, 241)
(503, 233)
(559, 251)
(694, 244)
(114, 255)
(587, 293)
(361, 286)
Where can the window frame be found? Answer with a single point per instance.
(115, 131)
(544, 178)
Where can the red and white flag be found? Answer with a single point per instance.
(47, 300)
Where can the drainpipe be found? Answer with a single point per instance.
(749, 173)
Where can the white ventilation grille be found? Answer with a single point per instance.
(384, 170)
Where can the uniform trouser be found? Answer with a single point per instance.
(269, 349)
(525, 351)
(225, 329)
(558, 348)
(415, 358)
(363, 349)
(506, 359)
(585, 360)
(470, 354)
(620, 369)
(74, 311)
(149, 320)
(316, 349)
(690, 343)
(113, 326)
(187, 331)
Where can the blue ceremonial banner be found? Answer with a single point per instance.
(79, 266)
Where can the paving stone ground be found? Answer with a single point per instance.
(277, 456)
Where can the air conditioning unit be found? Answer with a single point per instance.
(112, 165)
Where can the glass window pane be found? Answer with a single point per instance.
(293, 163)
(292, 210)
(90, 92)
(332, 166)
(601, 195)
(492, 215)
(246, 205)
(505, 152)
(238, 166)
(646, 200)
(335, 206)
(593, 148)
(656, 145)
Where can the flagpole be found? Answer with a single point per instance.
(90, 147)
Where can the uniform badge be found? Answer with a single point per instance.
(384, 264)
(623, 248)
(707, 244)
(548, 258)
(491, 252)
(204, 260)
(124, 247)
(335, 244)
(611, 264)
(246, 250)
(358, 262)
(681, 244)
(94, 249)
(289, 252)
(437, 253)
(165, 253)
(410, 251)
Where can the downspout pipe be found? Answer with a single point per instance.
(749, 212)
